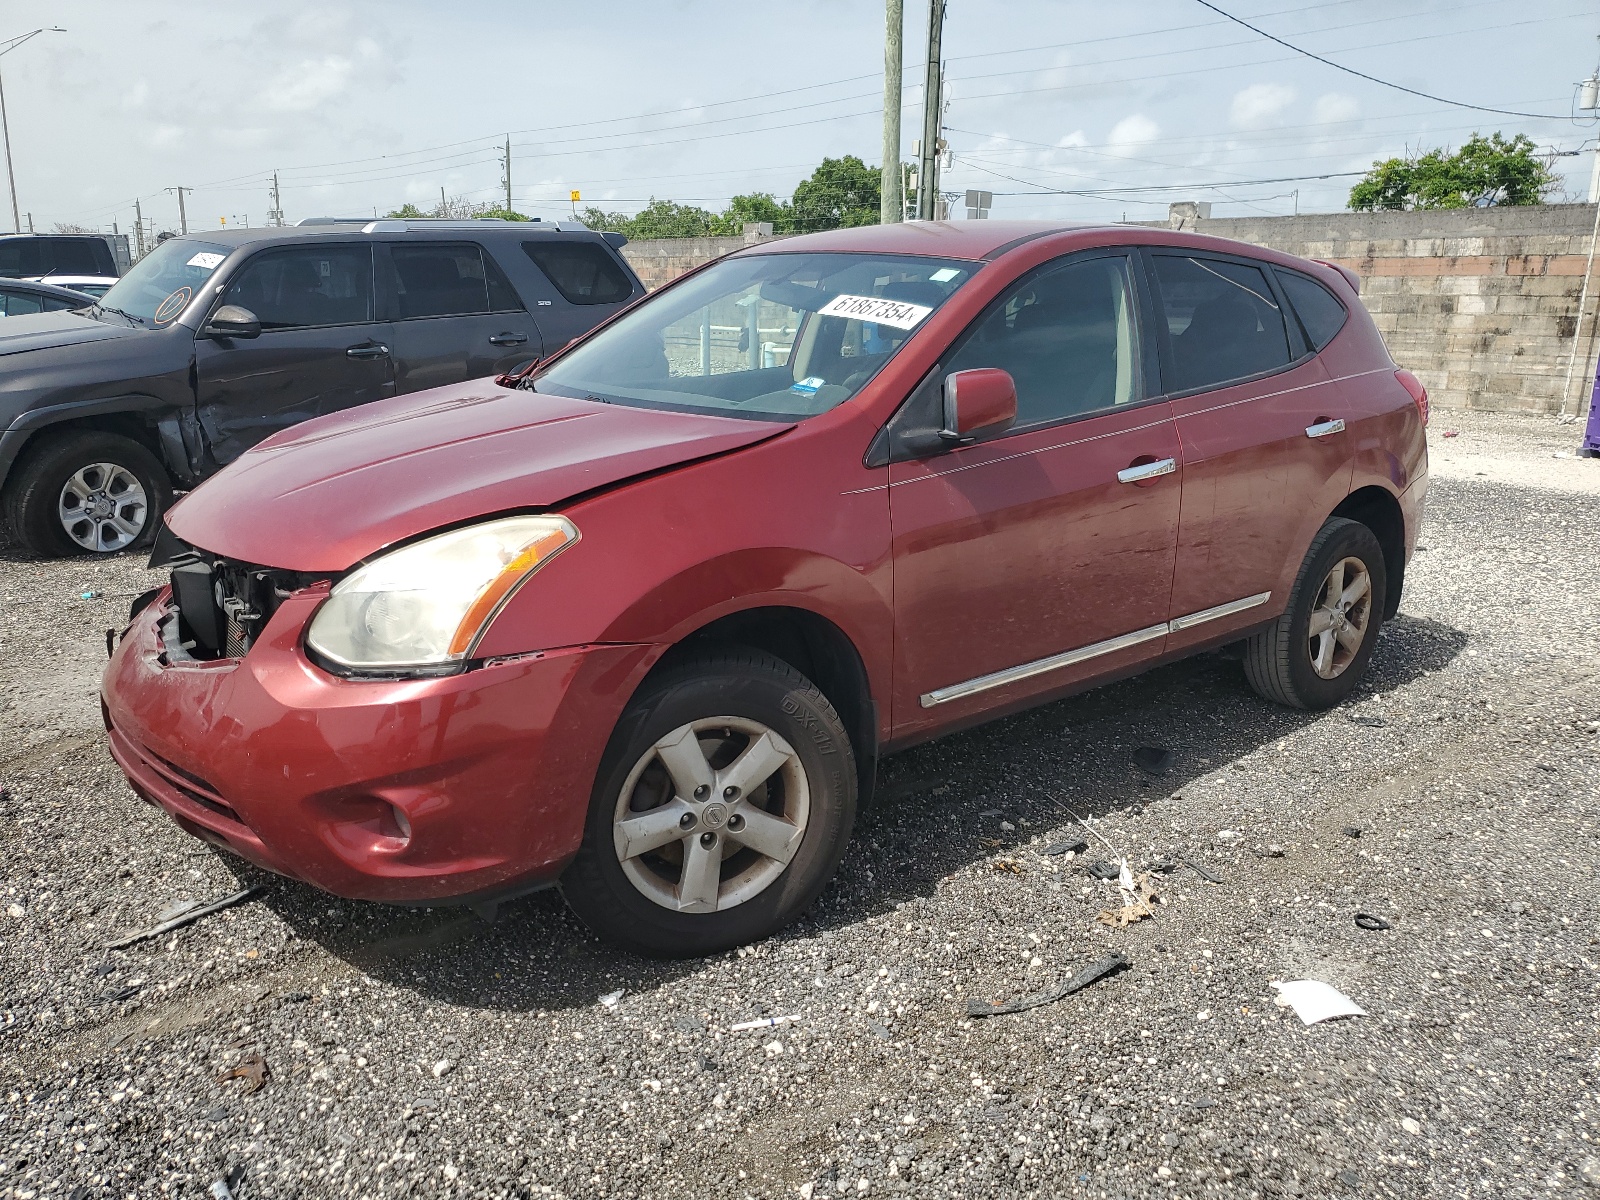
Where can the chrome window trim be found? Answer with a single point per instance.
(984, 683)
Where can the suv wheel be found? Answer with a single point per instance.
(87, 492)
(721, 809)
(1315, 654)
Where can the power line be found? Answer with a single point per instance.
(1504, 112)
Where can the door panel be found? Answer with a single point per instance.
(1264, 459)
(433, 351)
(1021, 549)
(320, 350)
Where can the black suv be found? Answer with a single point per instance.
(210, 344)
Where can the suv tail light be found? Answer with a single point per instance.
(1418, 393)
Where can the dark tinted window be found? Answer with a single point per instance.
(583, 272)
(76, 256)
(447, 280)
(17, 304)
(54, 305)
(1067, 337)
(1320, 314)
(306, 286)
(21, 256)
(1223, 319)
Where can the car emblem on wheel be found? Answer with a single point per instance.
(714, 816)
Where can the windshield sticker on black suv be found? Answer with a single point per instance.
(205, 260)
(878, 311)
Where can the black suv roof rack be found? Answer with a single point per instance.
(417, 224)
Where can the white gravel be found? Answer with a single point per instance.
(426, 1054)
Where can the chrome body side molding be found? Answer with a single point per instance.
(984, 683)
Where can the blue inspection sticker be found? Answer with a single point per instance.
(809, 385)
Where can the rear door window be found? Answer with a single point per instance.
(583, 272)
(76, 256)
(20, 303)
(306, 286)
(436, 279)
(21, 256)
(1321, 315)
(1223, 321)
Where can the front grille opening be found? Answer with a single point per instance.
(223, 605)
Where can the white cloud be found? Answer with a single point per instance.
(1335, 106)
(309, 83)
(1134, 131)
(1260, 105)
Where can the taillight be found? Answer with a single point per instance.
(1418, 393)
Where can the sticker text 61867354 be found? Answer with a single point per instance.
(895, 313)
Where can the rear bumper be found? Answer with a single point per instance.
(407, 791)
(1413, 501)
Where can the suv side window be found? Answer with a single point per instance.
(583, 272)
(1068, 337)
(19, 257)
(1223, 321)
(306, 286)
(76, 256)
(447, 279)
(1321, 315)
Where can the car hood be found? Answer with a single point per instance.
(325, 494)
(55, 330)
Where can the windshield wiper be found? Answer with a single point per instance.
(119, 312)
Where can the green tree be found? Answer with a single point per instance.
(503, 213)
(408, 212)
(1485, 171)
(752, 209)
(841, 193)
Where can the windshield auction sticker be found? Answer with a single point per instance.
(878, 311)
(205, 261)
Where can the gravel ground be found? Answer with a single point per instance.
(425, 1053)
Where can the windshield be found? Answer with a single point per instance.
(160, 285)
(774, 336)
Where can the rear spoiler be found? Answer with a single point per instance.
(1350, 276)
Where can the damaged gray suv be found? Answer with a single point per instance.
(210, 344)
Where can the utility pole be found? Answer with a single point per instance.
(927, 167)
(138, 229)
(183, 217)
(508, 172)
(275, 217)
(5, 128)
(891, 207)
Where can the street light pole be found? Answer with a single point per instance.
(5, 125)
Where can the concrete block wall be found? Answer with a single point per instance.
(1480, 303)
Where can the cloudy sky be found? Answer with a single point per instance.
(1062, 108)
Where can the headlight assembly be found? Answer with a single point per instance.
(424, 607)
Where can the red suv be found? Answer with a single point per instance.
(643, 619)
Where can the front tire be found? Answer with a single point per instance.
(720, 811)
(86, 491)
(1315, 654)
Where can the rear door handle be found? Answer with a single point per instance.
(508, 339)
(369, 350)
(1324, 428)
(1143, 471)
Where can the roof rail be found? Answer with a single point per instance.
(419, 224)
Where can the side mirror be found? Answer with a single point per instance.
(983, 398)
(231, 321)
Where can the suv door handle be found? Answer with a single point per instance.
(508, 339)
(1143, 471)
(367, 350)
(1324, 428)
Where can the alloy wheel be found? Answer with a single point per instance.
(103, 507)
(711, 814)
(1340, 618)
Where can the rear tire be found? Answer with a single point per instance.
(85, 491)
(677, 859)
(1316, 653)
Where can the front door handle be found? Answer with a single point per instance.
(368, 350)
(1142, 471)
(508, 339)
(1324, 428)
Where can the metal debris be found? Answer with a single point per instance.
(1204, 872)
(1093, 973)
(253, 1070)
(192, 915)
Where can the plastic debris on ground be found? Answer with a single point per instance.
(1093, 973)
(1353, 831)
(609, 1000)
(1103, 870)
(1314, 1001)
(253, 1070)
(761, 1023)
(1076, 846)
(1201, 870)
(1370, 921)
(1369, 722)
(186, 915)
(1138, 893)
(1452, 433)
